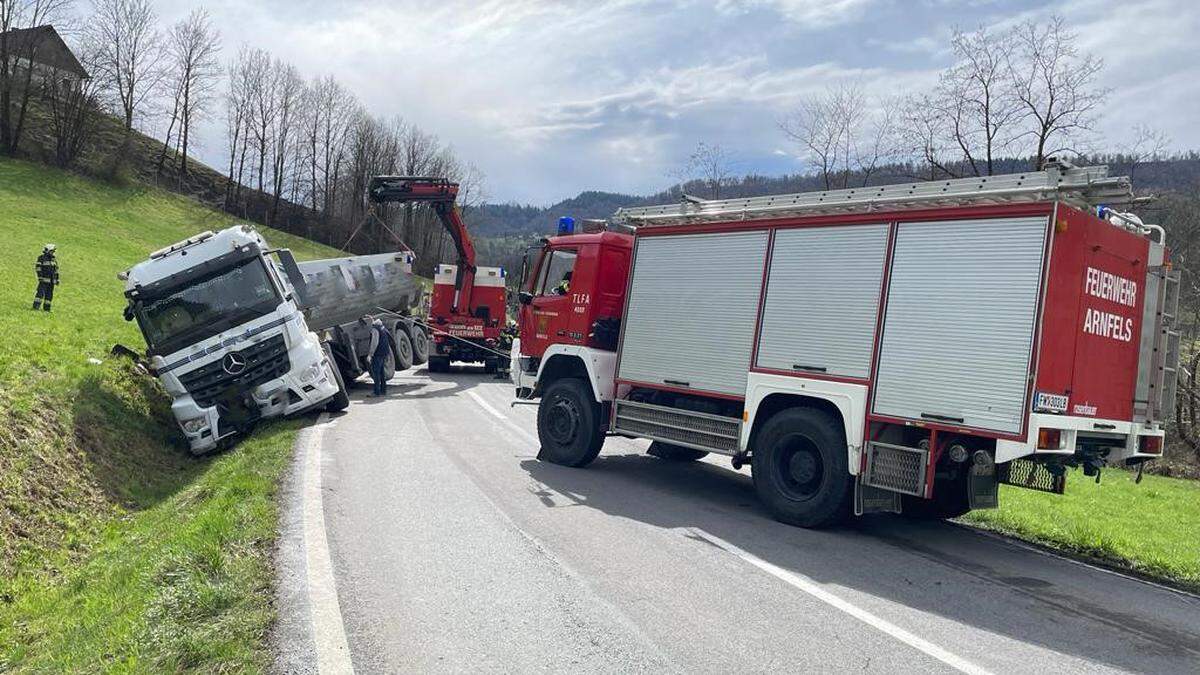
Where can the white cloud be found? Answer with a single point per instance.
(550, 98)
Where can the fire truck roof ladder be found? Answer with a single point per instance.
(1086, 187)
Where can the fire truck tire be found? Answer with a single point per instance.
(800, 468)
(674, 453)
(420, 345)
(341, 400)
(403, 350)
(490, 364)
(438, 364)
(568, 423)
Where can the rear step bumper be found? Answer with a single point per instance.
(1122, 437)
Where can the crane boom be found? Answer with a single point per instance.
(440, 193)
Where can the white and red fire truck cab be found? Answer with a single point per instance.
(904, 347)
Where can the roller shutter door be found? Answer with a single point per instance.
(823, 300)
(693, 301)
(961, 315)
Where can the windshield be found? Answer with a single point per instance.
(207, 306)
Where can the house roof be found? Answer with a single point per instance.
(48, 48)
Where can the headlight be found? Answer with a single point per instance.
(311, 373)
(194, 425)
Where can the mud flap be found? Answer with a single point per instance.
(868, 499)
(983, 488)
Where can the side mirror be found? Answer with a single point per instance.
(525, 297)
(128, 312)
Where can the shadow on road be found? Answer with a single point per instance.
(663, 494)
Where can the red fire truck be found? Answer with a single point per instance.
(895, 348)
(468, 309)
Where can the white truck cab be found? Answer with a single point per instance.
(226, 335)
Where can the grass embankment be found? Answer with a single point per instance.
(118, 550)
(1151, 529)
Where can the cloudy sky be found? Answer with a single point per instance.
(551, 98)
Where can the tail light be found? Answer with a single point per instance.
(1049, 439)
(1150, 445)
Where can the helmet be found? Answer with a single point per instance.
(49, 248)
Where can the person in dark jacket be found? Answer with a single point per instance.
(380, 345)
(46, 268)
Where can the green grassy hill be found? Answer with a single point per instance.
(117, 548)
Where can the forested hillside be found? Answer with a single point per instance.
(1177, 174)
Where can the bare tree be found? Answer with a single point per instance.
(1054, 85)
(17, 80)
(923, 132)
(288, 90)
(260, 87)
(1148, 144)
(976, 96)
(130, 52)
(712, 164)
(194, 46)
(74, 112)
(843, 135)
(237, 119)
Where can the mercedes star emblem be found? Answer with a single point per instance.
(234, 363)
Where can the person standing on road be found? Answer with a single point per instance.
(46, 268)
(378, 351)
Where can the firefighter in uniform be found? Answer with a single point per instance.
(47, 276)
(564, 286)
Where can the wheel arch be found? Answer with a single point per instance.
(845, 402)
(597, 366)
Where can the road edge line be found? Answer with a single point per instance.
(325, 614)
(815, 590)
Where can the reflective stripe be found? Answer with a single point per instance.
(227, 342)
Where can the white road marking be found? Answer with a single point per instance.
(815, 590)
(513, 426)
(325, 615)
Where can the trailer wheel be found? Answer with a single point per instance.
(674, 453)
(800, 469)
(340, 400)
(404, 350)
(568, 423)
(420, 345)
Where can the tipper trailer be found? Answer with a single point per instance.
(895, 348)
(236, 334)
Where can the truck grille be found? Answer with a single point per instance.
(682, 427)
(265, 361)
(898, 468)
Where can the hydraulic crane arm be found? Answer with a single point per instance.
(440, 194)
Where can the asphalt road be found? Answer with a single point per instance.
(453, 549)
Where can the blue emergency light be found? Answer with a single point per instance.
(566, 225)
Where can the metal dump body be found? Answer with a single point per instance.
(341, 290)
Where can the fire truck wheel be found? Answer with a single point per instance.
(420, 345)
(403, 350)
(674, 453)
(341, 400)
(569, 423)
(800, 469)
(490, 364)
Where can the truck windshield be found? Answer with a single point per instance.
(211, 304)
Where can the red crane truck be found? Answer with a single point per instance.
(468, 309)
(896, 348)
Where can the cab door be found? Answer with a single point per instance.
(547, 318)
